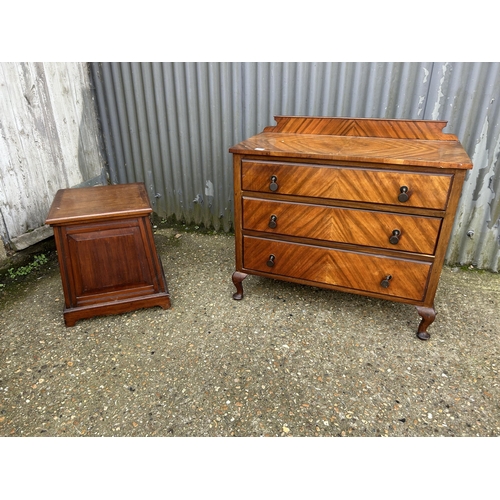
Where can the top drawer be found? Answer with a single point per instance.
(347, 183)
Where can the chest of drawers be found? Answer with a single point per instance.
(364, 206)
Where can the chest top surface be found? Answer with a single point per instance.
(98, 203)
(419, 143)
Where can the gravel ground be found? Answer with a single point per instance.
(287, 360)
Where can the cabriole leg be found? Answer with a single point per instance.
(428, 315)
(237, 280)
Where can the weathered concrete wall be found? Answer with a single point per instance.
(49, 139)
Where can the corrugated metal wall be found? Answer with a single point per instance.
(49, 139)
(171, 124)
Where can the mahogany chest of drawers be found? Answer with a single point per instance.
(364, 206)
(106, 251)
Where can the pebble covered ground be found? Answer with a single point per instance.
(287, 360)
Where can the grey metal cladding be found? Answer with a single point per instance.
(171, 124)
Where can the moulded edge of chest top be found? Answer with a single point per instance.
(388, 154)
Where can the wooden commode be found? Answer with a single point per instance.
(106, 251)
(364, 206)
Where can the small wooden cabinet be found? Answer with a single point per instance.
(358, 205)
(106, 251)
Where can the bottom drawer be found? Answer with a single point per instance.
(370, 273)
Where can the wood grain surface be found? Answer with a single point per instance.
(99, 202)
(352, 184)
(337, 267)
(362, 127)
(393, 142)
(359, 227)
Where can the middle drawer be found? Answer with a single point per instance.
(408, 233)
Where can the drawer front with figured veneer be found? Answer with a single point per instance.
(409, 233)
(388, 187)
(352, 270)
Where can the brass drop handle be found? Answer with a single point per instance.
(394, 238)
(385, 282)
(270, 261)
(404, 194)
(274, 183)
(273, 222)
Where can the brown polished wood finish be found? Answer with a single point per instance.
(345, 225)
(364, 206)
(355, 184)
(106, 251)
